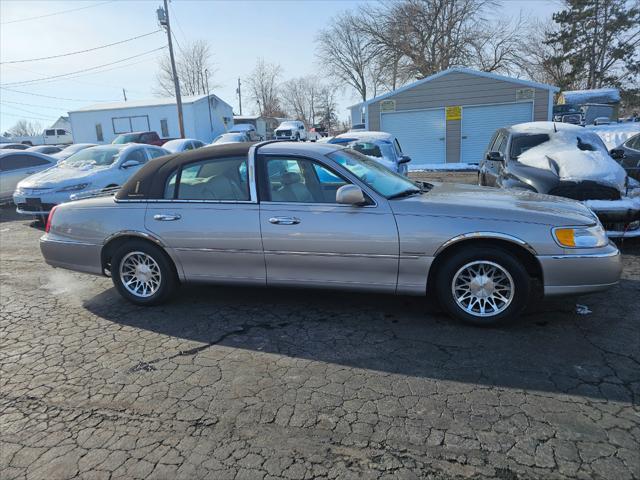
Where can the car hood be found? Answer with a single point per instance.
(62, 176)
(457, 200)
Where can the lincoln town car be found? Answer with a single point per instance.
(325, 216)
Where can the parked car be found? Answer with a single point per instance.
(17, 165)
(293, 130)
(195, 217)
(91, 169)
(13, 146)
(248, 129)
(150, 138)
(381, 146)
(628, 155)
(235, 137)
(566, 161)
(45, 149)
(71, 149)
(182, 145)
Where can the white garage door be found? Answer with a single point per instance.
(480, 123)
(421, 134)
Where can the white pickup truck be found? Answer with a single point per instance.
(293, 130)
(49, 136)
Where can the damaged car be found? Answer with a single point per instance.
(566, 161)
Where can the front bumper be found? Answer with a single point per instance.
(621, 218)
(579, 273)
(39, 203)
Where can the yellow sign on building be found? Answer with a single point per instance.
(454, 113)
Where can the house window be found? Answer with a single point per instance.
(164, 127)
(99, 136)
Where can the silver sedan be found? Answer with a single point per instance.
(319, 215)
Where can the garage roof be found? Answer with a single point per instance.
(150, 102)
(469, 71)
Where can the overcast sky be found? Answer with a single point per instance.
(238, 31)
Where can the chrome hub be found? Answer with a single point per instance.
(483, 288)
(140, 274)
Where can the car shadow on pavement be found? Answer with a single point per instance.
(550, 349)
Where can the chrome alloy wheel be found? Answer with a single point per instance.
(140, 274)
(483, 288)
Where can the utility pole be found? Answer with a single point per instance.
(239, 92)
(124, 94)
(163, 19)
(206, 74)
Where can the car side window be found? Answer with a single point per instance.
(188, 146)
(634, 143)
(398, 149)
(17, 162)
(154, 153)
(299, 180)
(137, 155)
(502, 146)
(222, 179)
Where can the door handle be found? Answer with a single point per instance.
(163, 217)
(284, 220)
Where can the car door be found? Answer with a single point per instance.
(493, 168)
(209, 220)
(309, 239)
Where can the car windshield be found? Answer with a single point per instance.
(382, 180)
(522, 143)
(93, 157)
(132, 137)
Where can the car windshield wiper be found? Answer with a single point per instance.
(405, 193)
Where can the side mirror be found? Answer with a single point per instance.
(350, 195)
(130, 163)
(404, 159)
(495, 157)
(616, 153)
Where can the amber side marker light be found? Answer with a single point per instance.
(566, 236)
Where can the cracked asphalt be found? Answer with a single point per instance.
(231, 383)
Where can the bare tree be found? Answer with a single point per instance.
(499, 46)
(25, 128)
(327, 113)
(263, 87)
(194, 69)
(348, 54)
(302, 98)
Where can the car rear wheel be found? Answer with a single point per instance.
(483, 286)
(143, 273)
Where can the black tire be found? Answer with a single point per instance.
(168, 282)
(520, 281)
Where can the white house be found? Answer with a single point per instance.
(205, 117)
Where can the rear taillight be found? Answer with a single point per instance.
(49, 219)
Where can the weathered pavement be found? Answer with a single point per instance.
(251, 384)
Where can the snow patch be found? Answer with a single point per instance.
(596, 95)
(615, 135)
(444, 167)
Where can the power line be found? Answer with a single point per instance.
(38, 80)
(56, 98)
(81, 51)
(28, 118)
(24, 109)
(33, 105)
(54, 13)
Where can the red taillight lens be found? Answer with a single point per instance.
(49, 219)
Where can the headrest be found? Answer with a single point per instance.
(289, 178)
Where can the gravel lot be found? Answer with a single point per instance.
(250, 384)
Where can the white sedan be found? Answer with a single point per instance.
(89, 170)
(16, 165)
(182, 145)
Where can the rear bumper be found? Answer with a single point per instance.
(70, 255)
(574, 274)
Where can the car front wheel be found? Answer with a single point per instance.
(483, 285)
(143, 273)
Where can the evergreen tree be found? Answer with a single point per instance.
(600, 40)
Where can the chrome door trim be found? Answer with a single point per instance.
(330, 254)
(217, 250)
(615, 253)
(488, 235)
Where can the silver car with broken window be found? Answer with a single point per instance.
(320, 215)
